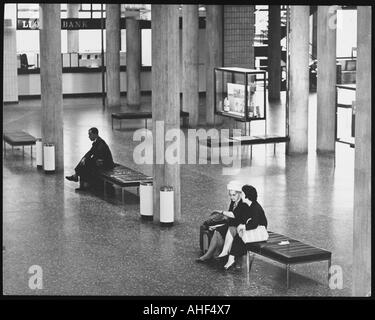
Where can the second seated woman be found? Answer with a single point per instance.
(252, 226)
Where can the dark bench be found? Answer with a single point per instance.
(122, 177)
(145, 115)
(19, 138)
(296, 252)
(246, 140)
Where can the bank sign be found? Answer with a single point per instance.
(76, 24)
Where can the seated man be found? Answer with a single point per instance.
(99, 157)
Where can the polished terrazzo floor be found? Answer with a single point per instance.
(90, 245)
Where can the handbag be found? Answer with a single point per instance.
(216, 219)
(258, 234)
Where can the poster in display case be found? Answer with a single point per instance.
(240, 93)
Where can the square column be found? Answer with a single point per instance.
(165, 101)
(190, 65)
(362, 163)
(326, 80)
(274, 53)
(299, 79)
(133, 62)
(214, 54)
(51, 79)
(73, 35)
(112, 27)
(10, 76)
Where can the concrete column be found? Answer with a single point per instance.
(51, 79)
(326, 81)
(73, 35)
(299, 79)
(10, 77)
(133, 62)
(314, 34)
(112, 26)
(274, 53)
(190, 78)
(362, 164)
(165, 100)
(214, 55)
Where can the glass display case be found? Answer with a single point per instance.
(240, 93)
(345, 113)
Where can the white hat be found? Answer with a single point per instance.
(234, 185)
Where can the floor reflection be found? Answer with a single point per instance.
(91, 245)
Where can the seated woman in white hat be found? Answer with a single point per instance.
(217, 240)
(235, 221)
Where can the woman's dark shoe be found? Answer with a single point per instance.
(199, 260)
(72, 178)
(221, 258)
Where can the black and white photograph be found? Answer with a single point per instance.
(187, 150)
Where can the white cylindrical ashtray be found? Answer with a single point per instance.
(49, 157)
(166, 205)
(146, 199)
(39, 153)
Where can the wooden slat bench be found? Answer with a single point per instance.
(246, 140)
(145, 115)
(123, 177)
(296, 252)
(19, 138)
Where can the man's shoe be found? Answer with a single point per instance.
(72, 178)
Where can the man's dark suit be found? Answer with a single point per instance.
(99, 151)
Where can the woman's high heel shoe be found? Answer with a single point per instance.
(230, 266)
(231, 262)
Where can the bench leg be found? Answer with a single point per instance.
(138, 191)
(31, 152)
(146, 123)
(329, 267)
(123, 195)
(287, 275)
(23, 151)
(274, 148)
(249, 261)
(105, 188)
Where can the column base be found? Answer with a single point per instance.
(166, 224)
(325, 152)
(148, 218)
